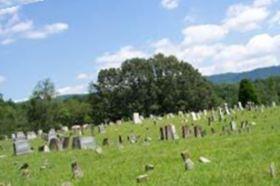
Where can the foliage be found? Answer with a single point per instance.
(247, 92)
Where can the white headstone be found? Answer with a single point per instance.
(21, 147)
(193, 114)
(136, 118)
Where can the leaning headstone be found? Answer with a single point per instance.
(149, 167)
(204, 160)
(101, 129)
(21, 147)
(273, 104)
(76, 170)
(136, 118)
(142, 178)
(240, 107)
(189, 165)
(226, 109)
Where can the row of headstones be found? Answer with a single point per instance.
(169, 132)
(55, 144)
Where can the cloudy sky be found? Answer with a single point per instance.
(70, 41)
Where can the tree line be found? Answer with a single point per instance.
(157, 86)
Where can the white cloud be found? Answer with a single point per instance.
(243, 18)
(46, 31)
(2, 79)
(85, 76)
(7, 41)
(114, 60)
(9, 3)
(203, 34)
(14, 27)
(76, 89)
(170, 4)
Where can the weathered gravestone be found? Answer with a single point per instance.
(76, 129)
(168, 132)
(101, 129)
(31, 135)
(52, 134)
(65, 141)
(54, 144)
(84, 143)
(197, 131)
(226, 109)
(194, 117)
(21, 147)
(20, 136)
(136, 118)
(240, 106)
(233, 126)
(186, 132)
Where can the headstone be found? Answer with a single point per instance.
(40, 132)
(52, 134)
(189, 165)
(197, 131)
(54, 144)
(273, 104)
(149, 167)
(84, 143)
(204, 160)
(174, 133)
(31, 135)
(168, 132)
(193, 114)
(65, 142)
(136, 118)
(64, 128)
(186, 132)
(226, 109)
(76, 129)
(142, 178)
(233, 125)
(21, 147)
(240, 106)
(20, 136)
(76, 170)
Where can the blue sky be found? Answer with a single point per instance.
(70, 41)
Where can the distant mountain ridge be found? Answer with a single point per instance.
(260, 73)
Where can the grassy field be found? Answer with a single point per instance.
(236, 159)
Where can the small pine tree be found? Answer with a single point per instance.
(247, 92)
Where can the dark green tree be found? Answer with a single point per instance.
(247, 92)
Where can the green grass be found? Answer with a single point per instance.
(236, 159)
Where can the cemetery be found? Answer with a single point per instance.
(222, 146)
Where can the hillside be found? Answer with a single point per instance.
(260, 73)
(237, 157)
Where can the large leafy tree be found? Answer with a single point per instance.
(247, 92)
(150, 86)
